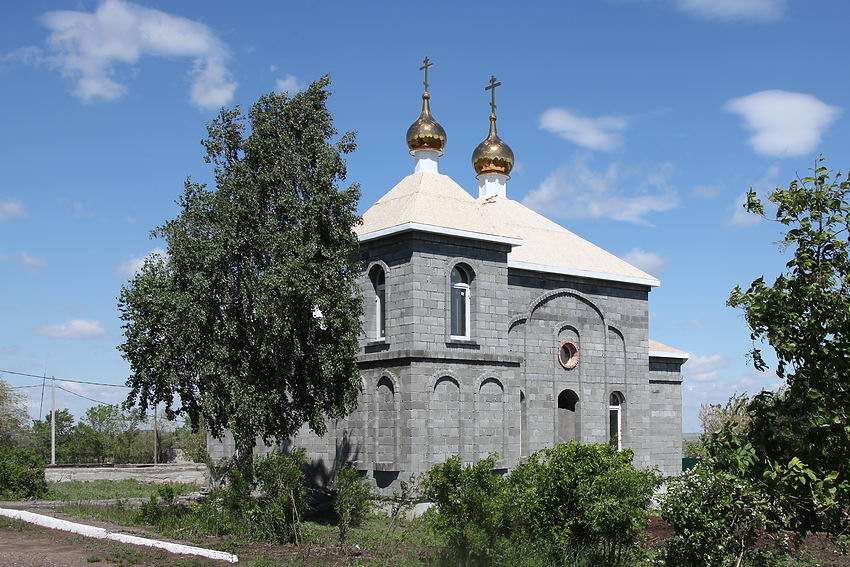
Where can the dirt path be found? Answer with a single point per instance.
(37, 547)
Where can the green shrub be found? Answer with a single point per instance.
(719, 511)
(21, 474)
(468, 507)
(353, 501)
(573, 503)
(580, 496)
(278, 512)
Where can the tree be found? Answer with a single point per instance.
(65, 450)
(251, 320)
(108, 433)
(805, 317)
(13, 415)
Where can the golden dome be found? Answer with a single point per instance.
(493, 155)
(426, 133)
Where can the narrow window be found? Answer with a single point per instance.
(379, 283)
(460, 303)
(615, 420)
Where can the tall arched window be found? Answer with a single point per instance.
(615, 420)
(379, 283)
(460, 303)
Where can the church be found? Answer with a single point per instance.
(489, 328)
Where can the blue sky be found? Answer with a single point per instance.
(638, 124)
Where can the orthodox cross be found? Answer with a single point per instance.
(426, 63)
(492, 89)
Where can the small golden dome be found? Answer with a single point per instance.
(493, 155)
(426, 133)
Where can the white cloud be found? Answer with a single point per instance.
(71, 329)
(783, 123)
(89, 47)
(288, 83)
(32, 264)
(11, 209)
(134, 264)
(758, 10)
(602, 133)
(576, 191)
(649, 262)
(704, 368)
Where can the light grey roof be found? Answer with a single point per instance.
(434, 202)
(424, 200)
(661, 350)
(549, 247)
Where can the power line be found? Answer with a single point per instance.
(177, 419)
(30, 386)
(64, 379)
(85, 397)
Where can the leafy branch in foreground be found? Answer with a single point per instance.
(250, 320)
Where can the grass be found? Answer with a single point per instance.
(74, 490)
(380, 542)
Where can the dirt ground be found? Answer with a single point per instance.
(30, 546)
(39, 547)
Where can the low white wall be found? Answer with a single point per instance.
(184, 473)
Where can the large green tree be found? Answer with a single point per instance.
(13, 415)
(251, 320)
(804, 315)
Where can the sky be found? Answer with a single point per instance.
(637, 124)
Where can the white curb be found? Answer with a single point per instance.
(100, 533)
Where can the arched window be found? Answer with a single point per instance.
(460, 303)
(379, 283)
(569, 421)
(615, 420)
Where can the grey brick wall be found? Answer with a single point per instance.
(426, 397)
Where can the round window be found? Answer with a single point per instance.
(568, 355)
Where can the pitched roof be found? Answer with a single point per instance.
(432, 202)
(549, 247)
(664, 351)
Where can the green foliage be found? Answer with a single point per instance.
(13, 416)
(278, 512)
(573, 498)
(580, 495)
(717, 519)
(66, 449)
(805, 317)
(21, 474)
(193, 442)
(251, 320)
(468, 506)
(353, 501)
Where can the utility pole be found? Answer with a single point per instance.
(53, 420)
(155, 452)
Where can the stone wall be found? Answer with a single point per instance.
(426, 396)
(183, 473)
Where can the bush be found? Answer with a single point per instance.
(353, 500)
(277, 513)
(21, 474)
(580, 496)
(572, 503)
(467, 508)
(717, 519)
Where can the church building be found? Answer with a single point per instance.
(491, 329)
